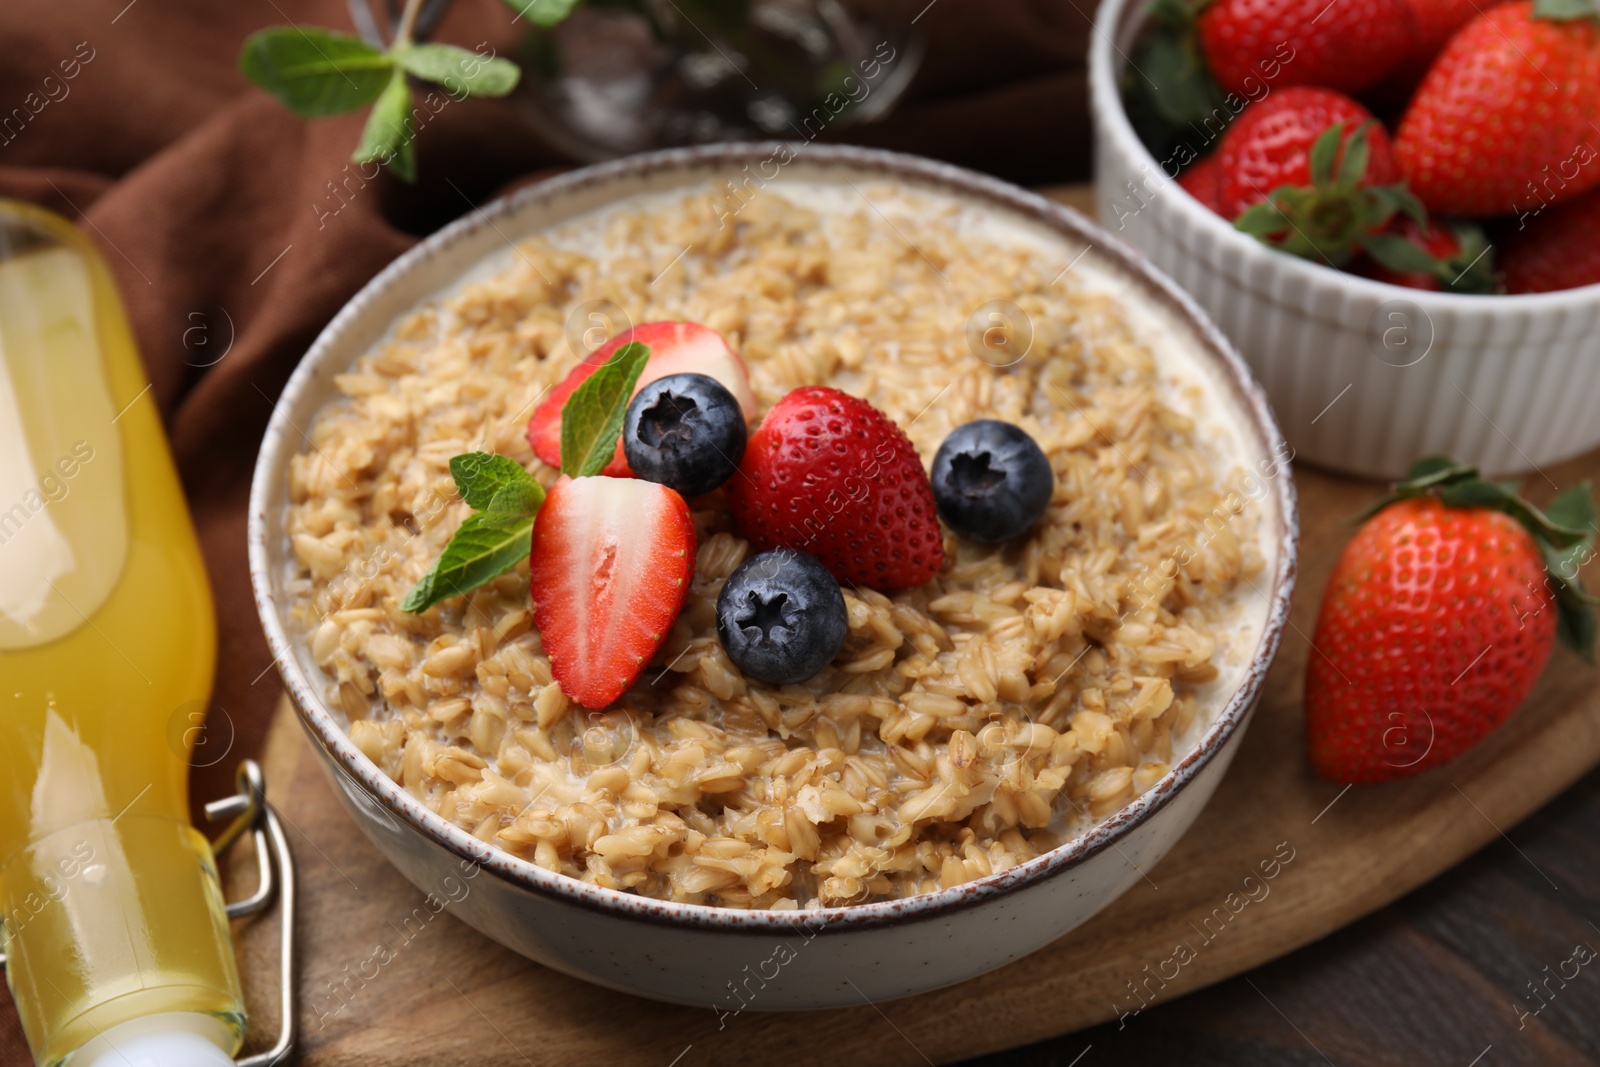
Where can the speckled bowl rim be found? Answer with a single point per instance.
(281, 439)
(1107, 109)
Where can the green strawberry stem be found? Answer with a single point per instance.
(1564, 532)
(1566, 10)
(1469, 270)
(1174, 104)
(1334, 217)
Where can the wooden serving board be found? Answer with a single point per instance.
(379, 991)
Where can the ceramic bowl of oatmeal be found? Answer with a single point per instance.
(991, 757)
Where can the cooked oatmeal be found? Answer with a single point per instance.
(968, 725)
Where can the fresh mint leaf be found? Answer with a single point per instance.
(591, 421)
(315, 72)
(461, 72)
(490, 542)
(544, 13)
(387, 137)
(486, 545)
(519, 498)
(481, 476)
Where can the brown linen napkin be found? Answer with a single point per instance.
(235, 231)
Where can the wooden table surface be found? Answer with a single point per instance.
(1442, 976)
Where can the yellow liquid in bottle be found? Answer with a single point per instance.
(110, 902)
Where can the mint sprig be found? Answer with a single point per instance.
(591, 421)
(316, 73)
(489, 542)
(505, 498)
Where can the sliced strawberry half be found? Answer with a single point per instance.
(675, 348)
(611, 565)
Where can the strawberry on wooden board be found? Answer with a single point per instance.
(675, 348)
(1310, 172)
(1345, 45)
(1438, 618)
(1441, 257)
(1203, 181)
(611, 565)
(829, 474)
(1506, 119)
(1559, 248)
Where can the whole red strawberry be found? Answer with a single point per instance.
(1436, 21)
(1251, 45)
(1203, 181)
(1559, 248)
(1434, 256)
(1438, 618)
(829, 474)
(1270, 145)
(1507, 118)
(1309, 172)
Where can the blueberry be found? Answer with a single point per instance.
(781, 617)
(991, 481)
(684, 431)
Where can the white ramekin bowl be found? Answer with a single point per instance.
(1365, 377)
(696, 954)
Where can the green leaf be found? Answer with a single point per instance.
(481, 476)
(1565, 10)
(1174, 104)
(591, 421)
(519, 499)
(315, 72)
(1573, 509)
(1262, 220)
(1431, 470)
(1357, 151)
(1470, 270)
(1324, 151)
(487, 545)
(1397, 253)
(388, 137)
(1575, 624)
(544, 13)
(1406, 203)
(1501, 496)
(461, 72)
